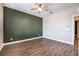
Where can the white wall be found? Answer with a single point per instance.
(55, 26)
(1, 26)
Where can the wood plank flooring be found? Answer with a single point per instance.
(39, 47)
(76, 44)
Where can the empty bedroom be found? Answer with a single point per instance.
(39, 29)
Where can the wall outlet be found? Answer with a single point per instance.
(11, 39)
(67, 28)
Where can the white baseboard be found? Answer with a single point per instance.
(34, 39)
(22, 40)
(58, 40)
(1, 47)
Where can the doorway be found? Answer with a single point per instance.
(76, 33)
(76, 18)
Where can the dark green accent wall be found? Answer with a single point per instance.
(19, 25)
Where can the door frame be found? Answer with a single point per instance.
(73, 28)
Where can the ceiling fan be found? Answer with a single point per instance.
(40, 7)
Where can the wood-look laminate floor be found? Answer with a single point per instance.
(76, 44)
(39, 47)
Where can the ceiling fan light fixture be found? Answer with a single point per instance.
(40, 9)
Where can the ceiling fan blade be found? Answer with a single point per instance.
(46, 9)
(33, 8)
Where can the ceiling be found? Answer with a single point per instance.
(54, 7)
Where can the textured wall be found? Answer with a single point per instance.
(1, 26)
(19, 25)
